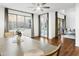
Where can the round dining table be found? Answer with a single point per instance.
(26, 47)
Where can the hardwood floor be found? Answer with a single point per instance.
(68, 47)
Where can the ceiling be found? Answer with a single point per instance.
(25, 6)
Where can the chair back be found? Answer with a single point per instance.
(8, 34)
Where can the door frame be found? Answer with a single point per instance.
(56, 23)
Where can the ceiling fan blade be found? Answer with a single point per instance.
(34, 9)
(46, 7)
(38, 4)
(43, 3)
(42, 10)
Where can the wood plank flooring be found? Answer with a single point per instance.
(68, 46)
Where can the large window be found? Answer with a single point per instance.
(20, 21)
(28, 22)
(12, 22)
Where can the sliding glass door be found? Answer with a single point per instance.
(44, 25)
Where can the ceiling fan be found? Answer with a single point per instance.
(39, 6)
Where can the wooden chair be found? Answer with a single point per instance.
(54, 52)
(8, 34)
(2, 45)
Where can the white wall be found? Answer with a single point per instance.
(36, 25)
(60, 15)
(1, 22)
(51, 25)
(77, 25)
(17, 12)
(70, 18)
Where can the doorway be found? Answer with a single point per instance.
(43, 25)
(61, 26)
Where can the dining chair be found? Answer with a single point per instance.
(8, 34)
(54, 52)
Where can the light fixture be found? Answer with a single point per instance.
(38, 8)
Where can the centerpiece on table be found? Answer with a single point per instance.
(19, 34)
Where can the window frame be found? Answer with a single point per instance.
(32, 20)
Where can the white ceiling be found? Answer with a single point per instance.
(25, 6)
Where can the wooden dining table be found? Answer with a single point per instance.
(26, 47)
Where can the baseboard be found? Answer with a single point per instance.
(35, 36)
(54, 37)
(40, 36)
(45, 37)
